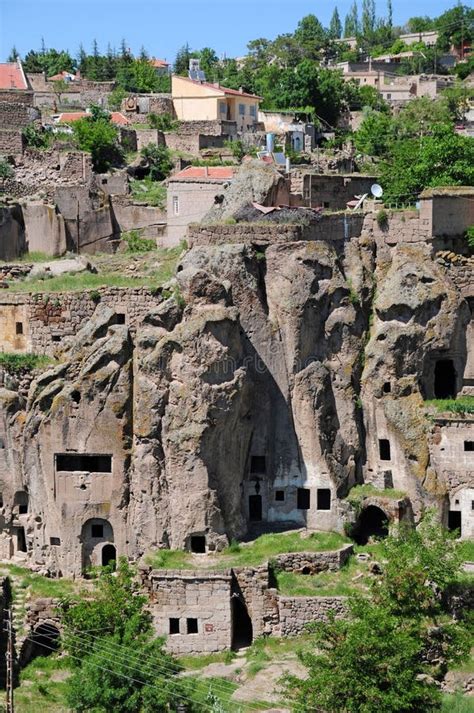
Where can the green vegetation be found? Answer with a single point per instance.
(36, 137)
(162, 122)
(457, 704)
(6, 171)
(359, 492)
(463, 404)
(375, 660)
(470, 237)
(149, 192)
(19, 363)
(250, 554)
(466, 550)
(43, 685)
(324, 584)
(38, 585)
(136, 243)
(160, 162)
(194, 662)
(97, 135)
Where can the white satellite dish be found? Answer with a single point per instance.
(376, 190)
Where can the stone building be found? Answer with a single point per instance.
(16, 107)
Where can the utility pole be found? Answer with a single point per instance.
(9, 660)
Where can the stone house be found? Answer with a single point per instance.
(202, 101)
(16, 107)
(160, 66)
(191, 193)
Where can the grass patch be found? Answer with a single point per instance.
(250, 554)
(466, 548)
(148, 191)
(324, 584)
(359, 492)
(457, 704)
(194, 662)
(463, 404)
(40, 586)
(43, 685)
(19, 363)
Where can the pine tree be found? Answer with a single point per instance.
(14, 55)
(368, 18)
(335, 27)
(389, 13)
(181, 63)
(351, 23)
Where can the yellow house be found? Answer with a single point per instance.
(201, 101)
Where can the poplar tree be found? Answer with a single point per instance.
(335, 27)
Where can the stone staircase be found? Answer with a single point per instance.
(20, 595)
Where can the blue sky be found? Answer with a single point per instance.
(163, 26)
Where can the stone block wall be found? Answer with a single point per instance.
(296, 612)
(16, 114)
(252, 586)
(11, 141)
(191, 608)
(47, 319)
(314, 562)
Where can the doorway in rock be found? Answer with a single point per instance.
(109, 555)
(444, 379)
(255, 508)
(372, 522)
(454, 521)
(43, 642)
(242, 630)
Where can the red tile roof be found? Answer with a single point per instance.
(158, 63)
(116, 117)
(223, 173)
(61, 75)
(224, 90)
(11, 76)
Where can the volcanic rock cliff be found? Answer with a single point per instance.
(266, 376)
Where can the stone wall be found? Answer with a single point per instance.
(448, 211)
(16, 96)
(49, 318)
(16, 114)
(75, 166)
(313, 562)
(149, 136)
(191, 601)
(11, 141)
(334, 191)
(296, 612)
(12, 232)
(252, 587)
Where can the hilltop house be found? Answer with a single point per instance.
(194, 100)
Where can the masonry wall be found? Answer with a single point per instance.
(204, 597)
(314, 562)
(449, 213)
(47, 319)
(335, 191)
(297, 612)
(11, 141)
(194, 199)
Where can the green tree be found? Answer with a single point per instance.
(419, 24)
(351, 23)
(454, 26)
(14, 55)
(159, 161)
(375, 134)
(97, 135)
(368, 19)
(378, 660)
(421, 116)
(310, 35)
(181, 63)
(335, 26)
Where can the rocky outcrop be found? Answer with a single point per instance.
(258, 388)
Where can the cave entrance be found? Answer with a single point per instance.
(21, 540)
(454, 521)
(372, 522)
(445, 379)
(109, 555)
(242, 630)
(44, 641)
(255, 508)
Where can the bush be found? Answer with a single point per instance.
(94, 296)
(6, 171)
(20, 363)
(36, 137)
(382, 219)
(116, 97)
(163, 122)
(97, 135)
(136, 243)
(159, 161)
(470, 236)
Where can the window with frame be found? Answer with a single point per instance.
(253, 110)
(242, 109)
(175, 205)
(223, 107)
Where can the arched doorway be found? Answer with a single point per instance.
(242, 630)
(372, 522)
(97, 534)
(43, 641)
(109, 555)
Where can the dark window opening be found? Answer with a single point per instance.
(192, 626)
(120, 318)
(97, 530)
(472, 504)
(20, 501)
(444, 379)
(84, 462)
(22, 509)
(303, 499)
(257, 464)
(76, 396)
(387, 387)
(198, 544)
(279, 495)
(323, 499)
(109, 555)
(174, 626)
(44, 641)
(19, 327)
(242, 630)
(255, 508)
(306, 570)
(384, 449)
(54, 541)
(372, 522)
(21, 539)
(469, 445)
(56, 338)
(454, 521)
(1, 501)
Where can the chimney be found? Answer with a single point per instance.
(241, 90)
(206, 171)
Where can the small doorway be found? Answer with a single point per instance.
(21, 539)
(255, 508)
(44, 641)
(454, 521)
(242, 630)
(372, 522)
(109, 555)
(445, 379)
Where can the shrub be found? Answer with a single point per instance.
(136, 243)
(382, 219)
(95, 296)
(163, 122)
(470, 236)
(19, 363)
(97, 135)
(36, 137)
(6, 171)
(115, 98)
(159, 161)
